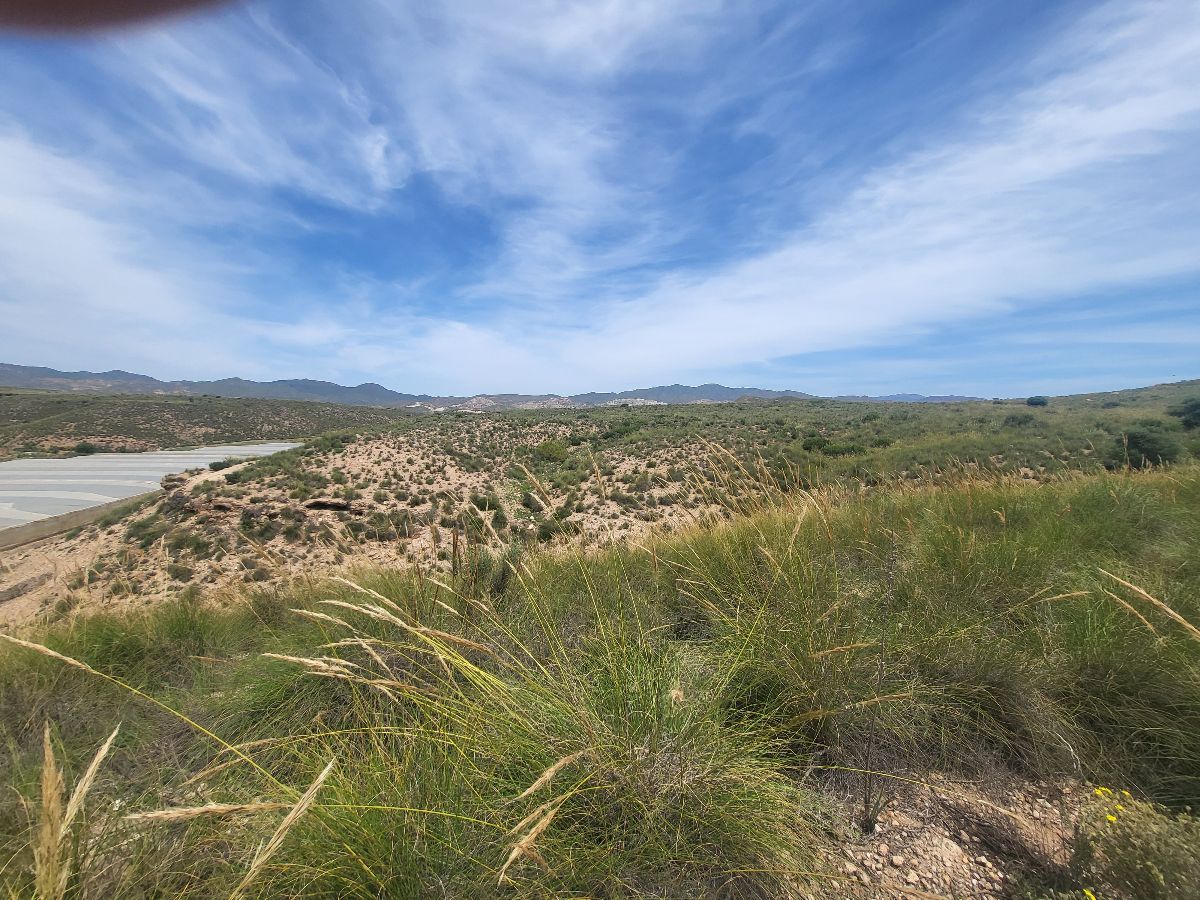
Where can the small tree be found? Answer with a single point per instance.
(1037, 401)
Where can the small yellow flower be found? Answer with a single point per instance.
(1089, 894)
(1126, 794)
(1111, 817)
(1103, 792)
(1120, 808)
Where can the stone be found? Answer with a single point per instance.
(897, 860)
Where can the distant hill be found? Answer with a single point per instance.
(117, 381)
(682, 393)
(369, 394)
(906, 398)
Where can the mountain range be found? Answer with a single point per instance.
(370, 394)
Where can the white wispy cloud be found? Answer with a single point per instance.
(1078, 176)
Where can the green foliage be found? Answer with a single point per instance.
(147, 531)
(1018, 420)
(485, 501)
(551, 451)
(841, 448)
(1131, 848)
(124, 511)
(1145, 445)
(1188, 412)
(1037, 401)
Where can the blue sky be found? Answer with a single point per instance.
(548, 196)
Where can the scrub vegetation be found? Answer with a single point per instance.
(44, 423)
(759, 702)
(439, 490)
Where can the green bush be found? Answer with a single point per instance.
(1144, 445)
(842, 448)
(550, 452)
(1018, 420)
(485, 501)
(121, 512)
(145, 532)
(1037, 401)
(1188, 412)
(1137, 849)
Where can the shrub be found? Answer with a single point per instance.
(121, 512)
(218, 464)
(180, 572)
(550, 451)
(1138, 849)
(1144, 445)
(1188, 412)
(485, 501)
(1037, 401)
(1018, 420)
(182, 539)
(145, 532)
(842, 448)
(86, 448)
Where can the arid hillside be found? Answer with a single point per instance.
(42, 423)
(447, 492)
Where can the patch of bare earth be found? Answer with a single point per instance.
(946, 837)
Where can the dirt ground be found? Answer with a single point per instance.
(940, 836)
